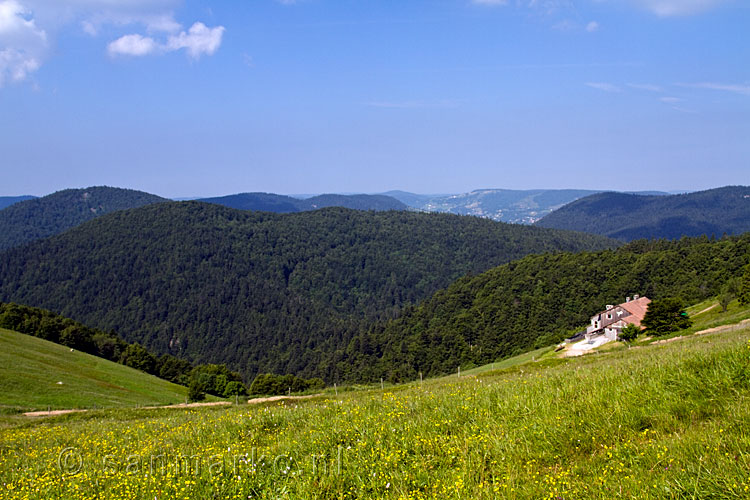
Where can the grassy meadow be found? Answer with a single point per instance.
(36, 375)
(653, 421)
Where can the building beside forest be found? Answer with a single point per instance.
(613, 319)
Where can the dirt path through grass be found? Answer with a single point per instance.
(52, 413)
(716, 329)
(705, 310)
(280, 398)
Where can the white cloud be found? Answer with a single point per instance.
(28, 26)
(666, 8)
(605, 87)
(199, 40)
(22, 43)
(132, 45)
(592, 26)
(724, 87)
(671, 100)
(490, 2)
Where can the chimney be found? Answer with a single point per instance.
(636, 297)
(627, 299)
(609, 307)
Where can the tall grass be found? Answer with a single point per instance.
(660, 421)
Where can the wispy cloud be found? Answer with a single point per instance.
(490, 2)
(671, 100)
(592, 26)
(723, 87)
(662, 8)
(668, 8)
(645, 86)
(605, 87)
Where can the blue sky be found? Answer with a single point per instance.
(188, 98)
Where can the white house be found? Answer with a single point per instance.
(613, 319)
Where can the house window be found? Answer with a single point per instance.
(609, 316)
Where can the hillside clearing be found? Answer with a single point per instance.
(39, 375)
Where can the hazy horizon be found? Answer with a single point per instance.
(309, 195)
(194, 98)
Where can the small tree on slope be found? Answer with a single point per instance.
(744, 292)
(666, 316)
(629, 333)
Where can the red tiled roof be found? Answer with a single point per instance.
(637, 309)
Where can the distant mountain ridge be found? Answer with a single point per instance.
(503, 205)
(38, 218)
(6, 201)
(261, 202)
(279, 203)
(627, 217)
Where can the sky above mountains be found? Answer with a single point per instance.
(184, 98)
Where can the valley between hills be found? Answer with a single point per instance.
(388, 352)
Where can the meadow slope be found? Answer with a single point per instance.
(655, 422)
(30, 369)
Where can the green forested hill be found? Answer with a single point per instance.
(269, 202)
(535, 301)
(38, 218)
(629, 216)
(263, 292)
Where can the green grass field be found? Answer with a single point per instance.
(650, 422)
(30, 369)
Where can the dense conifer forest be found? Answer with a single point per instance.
(261, 292)
(539, 300)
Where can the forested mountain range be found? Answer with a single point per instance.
(6, 201)
(262, 292)
(628, 216)
(537, 301)
(38, 218)
(269, 202)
